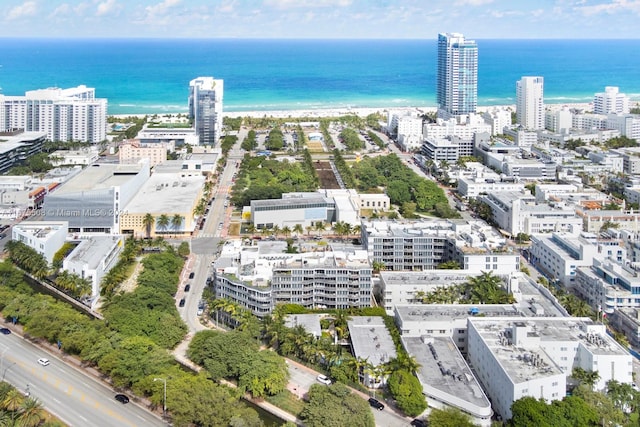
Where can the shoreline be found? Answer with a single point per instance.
(359, 111)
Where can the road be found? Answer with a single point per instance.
(205, 245)
(70, 394)
(301, 378)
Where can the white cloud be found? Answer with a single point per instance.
(63, 10)
(611, 7)
(28, 8)
(307, 4)
(107, 7)
(161, 8)
(472, 2)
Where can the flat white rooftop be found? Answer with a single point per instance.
(166, 193)
(99, 176)
(371, 340)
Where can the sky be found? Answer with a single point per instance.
(321, 19)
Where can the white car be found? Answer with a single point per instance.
(43, 361)
(323, 379)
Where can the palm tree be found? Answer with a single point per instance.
(405, 362)
(12, 401)
(163, 222)
(377, 266)
(286, 230)
(298, 229)
(148, 222)
(176, 222)
(31, 413)
(275, 229)
(320, 226)
(251, 229)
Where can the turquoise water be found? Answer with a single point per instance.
(152, 75)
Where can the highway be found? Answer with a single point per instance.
(68, 393)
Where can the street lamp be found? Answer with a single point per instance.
(2, 358)
(164, 398)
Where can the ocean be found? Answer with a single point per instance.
(152, 75)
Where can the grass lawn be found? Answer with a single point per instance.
(287, 401)
(234, 229)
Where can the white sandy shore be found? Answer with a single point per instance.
(362, 112)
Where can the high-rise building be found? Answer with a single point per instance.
(530, 102)
(205, 108)
(610, 101)
(457, 79)
(73, 114)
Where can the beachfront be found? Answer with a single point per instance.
(361, 112)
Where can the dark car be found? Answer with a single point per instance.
(5, 331)
(417, 422)
(181, 303)
(187, 288)
(122, 398)
(375, 403)
(192, 275)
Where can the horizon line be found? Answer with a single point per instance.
(8, 37)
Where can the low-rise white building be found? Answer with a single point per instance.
(84, 157)
(93, 258)
(560, 254)
(371, 341)
(608, 285)
(45, 237)
(516, 357)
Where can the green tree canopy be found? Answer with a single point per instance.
(331, 406)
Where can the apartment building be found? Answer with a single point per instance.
(73, 114)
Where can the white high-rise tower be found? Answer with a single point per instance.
(205, 108)
(530, 102)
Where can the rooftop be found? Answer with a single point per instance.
(371, 340)
(518, 344)
(166, 193)
(443, 368)
(92, 250)
(310, 322)
(41, 229)
(100, 176)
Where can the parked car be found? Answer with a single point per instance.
(192, 275)
(5, 331)
(417, 422)
(122, 398)
(43, 361)
(323, 379)
(187, 287)
(182, 302)
(375, 403)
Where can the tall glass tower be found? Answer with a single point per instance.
(457, 79)
(205, 108)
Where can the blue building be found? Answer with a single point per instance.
(457, 77)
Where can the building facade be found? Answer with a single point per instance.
(457, 75)
(45, 237)
(73, 114)
(610, 101)
(205, 108)
(530, 102)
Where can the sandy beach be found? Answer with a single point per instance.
(361, 112)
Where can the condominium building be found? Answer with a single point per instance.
(532, 357)
(610, 101)
(259, 277)
(371, 341)
(205, 108)
(448, 149)
(560, 254)
(423, 245)
(457, 76)
(16, 147)
(608, 285)
(515, 212)
(530, 102)
(73, 114)
(627, 124)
